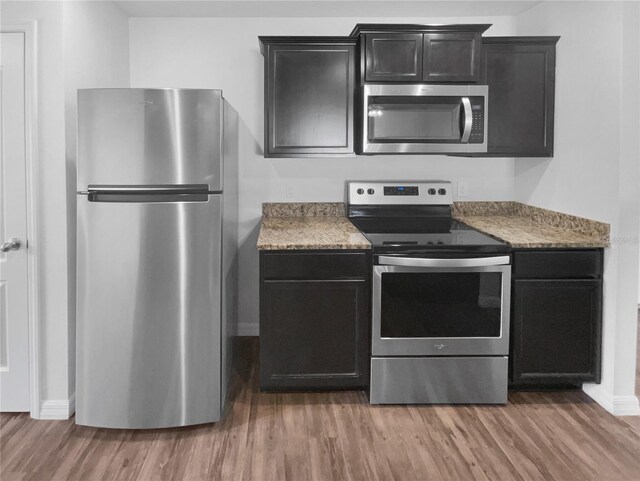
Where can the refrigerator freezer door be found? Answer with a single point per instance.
(149, 136)
(148, 313)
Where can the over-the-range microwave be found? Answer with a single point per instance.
(424, 118)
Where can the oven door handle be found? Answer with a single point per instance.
(421, 262)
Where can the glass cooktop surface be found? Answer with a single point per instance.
(417, 236)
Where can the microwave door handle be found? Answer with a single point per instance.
(421, 262)
(468, 119)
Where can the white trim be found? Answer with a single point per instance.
(29, 28)
(616, 405)
(58, 408)
(247, 329)
(626, 406)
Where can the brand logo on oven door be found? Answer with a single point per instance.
(439, 346)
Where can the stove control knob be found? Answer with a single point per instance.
(432, 191)
(371, 191)
(442, 191)
(360, 191)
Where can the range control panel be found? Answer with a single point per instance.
(424, 192)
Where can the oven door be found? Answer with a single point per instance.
(424, 118)
(441, 307)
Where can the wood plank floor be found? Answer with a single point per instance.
(338, 436)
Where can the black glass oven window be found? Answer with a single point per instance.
(441, 304)
(414, 119)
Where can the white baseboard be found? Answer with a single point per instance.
(58, 408)
(247, 329)
(616, 405)
(626, 406)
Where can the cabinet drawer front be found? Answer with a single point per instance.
(570, 264)
(314, 266)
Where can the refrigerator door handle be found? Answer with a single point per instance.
(146, 198)
(148, 193)
(150, 189)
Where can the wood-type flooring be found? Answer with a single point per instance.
(337, 436)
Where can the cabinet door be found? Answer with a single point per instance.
(309, 100)
(556, 331)
(393, 57)
(451, 57)
(520, 74)
(313, 334)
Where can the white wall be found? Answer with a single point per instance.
(595, 169)
(224, 53)
(96, 55)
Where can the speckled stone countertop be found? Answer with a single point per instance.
(294, 226)
(310, 225)
(525, 226)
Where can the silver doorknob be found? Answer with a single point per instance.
(12, 244)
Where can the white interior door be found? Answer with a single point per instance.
(14, 314)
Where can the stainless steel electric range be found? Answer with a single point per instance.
(441, 293)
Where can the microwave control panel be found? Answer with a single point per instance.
(477, 124)
(477, 116)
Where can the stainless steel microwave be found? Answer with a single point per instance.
(423, 118)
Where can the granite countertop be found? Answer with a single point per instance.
(311, 225)
(524, 226)
(295, 226)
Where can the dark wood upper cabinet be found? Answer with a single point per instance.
(451, 57)
(393, 57)
(313, 84)
(520, 73)
(417, 57)
(420, 53)
(309, 96)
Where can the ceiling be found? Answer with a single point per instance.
(323, 8)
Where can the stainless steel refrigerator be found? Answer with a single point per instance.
(156, 256)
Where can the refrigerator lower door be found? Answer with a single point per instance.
(148, 313)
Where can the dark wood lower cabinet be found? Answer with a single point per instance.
(556, 319)
(314, 321)
(315, 318)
